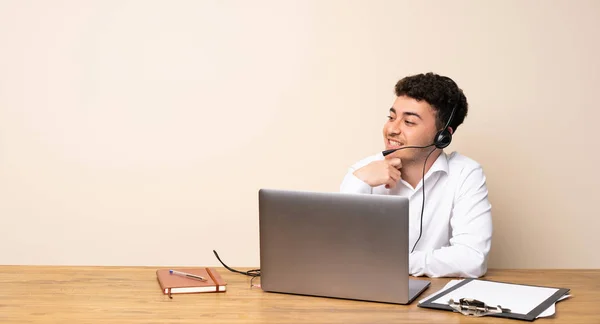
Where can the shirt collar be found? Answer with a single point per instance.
(440, 164)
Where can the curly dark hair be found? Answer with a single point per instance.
(441, 92)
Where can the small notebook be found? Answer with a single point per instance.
(175, 284)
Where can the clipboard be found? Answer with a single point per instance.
(525, 302)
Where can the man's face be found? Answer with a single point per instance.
(411, 123)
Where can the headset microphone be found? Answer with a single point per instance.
(388, 152)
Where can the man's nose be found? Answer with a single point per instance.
(395, 128)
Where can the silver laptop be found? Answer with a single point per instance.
(338, 245)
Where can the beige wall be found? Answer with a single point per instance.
(138, 132)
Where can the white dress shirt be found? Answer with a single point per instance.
(457, 220)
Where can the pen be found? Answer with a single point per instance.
(185, 274)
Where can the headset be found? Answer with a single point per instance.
(442, 139)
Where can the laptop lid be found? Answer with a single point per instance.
(337, 245)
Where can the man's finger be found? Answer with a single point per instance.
(391, 183)
(395, 162)
(395, 174)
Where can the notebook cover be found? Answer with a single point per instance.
(531, 316)
(170, 283)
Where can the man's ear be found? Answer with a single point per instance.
(451, 130)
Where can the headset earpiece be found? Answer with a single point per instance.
(443, 138)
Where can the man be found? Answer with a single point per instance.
(450, 232)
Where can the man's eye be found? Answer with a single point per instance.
(390, 117)
(408, 123)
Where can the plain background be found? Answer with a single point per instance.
(139, 132)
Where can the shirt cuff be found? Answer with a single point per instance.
(416, 262)
(353, 184)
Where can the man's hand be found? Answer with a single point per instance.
(381, 172)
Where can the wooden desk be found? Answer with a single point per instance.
(43, 294)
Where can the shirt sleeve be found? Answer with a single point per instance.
(470, 242)
(352, 184)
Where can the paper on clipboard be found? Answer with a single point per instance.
(520, 303)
